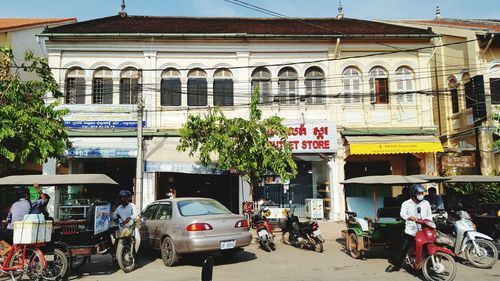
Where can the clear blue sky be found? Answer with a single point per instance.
(362, 9)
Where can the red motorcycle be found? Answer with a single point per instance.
(264, 231)
(436, 262)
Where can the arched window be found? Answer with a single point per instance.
(197, 87)
(75, 86)
(495, 84)
(315, 79)
(261, 80)
(129, 86)
(379, 85)
(170, 88)
(405, 82)
(452, 86)
(223, 88)
(287, 84)
(351, 85)
(102, 86)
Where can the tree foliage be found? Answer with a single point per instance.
(242, 145)
(483, 192)
(496, 117)
(30, 130)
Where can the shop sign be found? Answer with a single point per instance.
(90, 116)
(458, 161)
(101, 124)
(310, 137)
(101, 153)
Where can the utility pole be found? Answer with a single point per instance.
(139, 164)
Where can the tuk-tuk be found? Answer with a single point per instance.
(74, 241)
(384, 228)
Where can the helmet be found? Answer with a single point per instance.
(23, 192)
(124, 194)
(416, 188)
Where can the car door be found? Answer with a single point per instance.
(146, 224)
(162, 222)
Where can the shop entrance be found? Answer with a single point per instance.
(223, 188)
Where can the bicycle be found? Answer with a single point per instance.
(23, 259)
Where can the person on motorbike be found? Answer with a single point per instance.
(126, 211)
(409, 213)
(435, 200)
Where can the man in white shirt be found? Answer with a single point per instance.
(126, 211)
(410, 213)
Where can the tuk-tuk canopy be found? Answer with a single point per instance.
(431, 178)
(384, 180)
(474, 179)
(72, 179)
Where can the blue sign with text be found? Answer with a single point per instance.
(101, 124)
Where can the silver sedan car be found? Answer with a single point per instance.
(192, 225)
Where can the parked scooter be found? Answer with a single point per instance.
(264, 231)
(302, 234)
(436, 262)
(127, 244)
(462, 237)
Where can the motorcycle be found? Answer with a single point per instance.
(264, 230)
(302, 234)
(127, 241)
(461, 236)
(436, 262)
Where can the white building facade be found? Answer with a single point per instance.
(355, 105)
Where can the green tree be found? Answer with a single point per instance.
(496, 116)
(242, 145)
(30, 130)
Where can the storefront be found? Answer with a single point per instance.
(369, 154)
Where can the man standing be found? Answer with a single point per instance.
(409, 213)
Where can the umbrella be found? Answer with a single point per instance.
(431, 178)
(474, 179)
(384, 180)
(72, 179)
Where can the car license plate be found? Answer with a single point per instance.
(262, 233)
(49, 257)
(224, 245)
(316, 233)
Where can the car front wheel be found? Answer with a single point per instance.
(168, 253)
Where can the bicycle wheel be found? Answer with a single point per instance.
(32, 260)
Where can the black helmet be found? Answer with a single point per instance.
(416, 188)
(23, 192)
(124, 194)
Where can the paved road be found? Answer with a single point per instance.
(286, 264)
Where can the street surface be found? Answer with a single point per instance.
(285, 264)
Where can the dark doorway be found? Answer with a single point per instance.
(361, 169)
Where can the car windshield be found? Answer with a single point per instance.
(201, 207)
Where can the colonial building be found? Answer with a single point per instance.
(355, 94)
(467, 88)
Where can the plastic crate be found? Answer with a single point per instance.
(30, 232)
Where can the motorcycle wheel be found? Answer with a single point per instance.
(285, 238)
(125, 256)
(486, 258)
(447, 269)
(352, 246)
(318, 246)
(56, 269)
(265, 245)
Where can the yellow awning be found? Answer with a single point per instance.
(393, 144)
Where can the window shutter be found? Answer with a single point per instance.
(469, 95)
(219, 92)
(80, 90)
(124, 91)
(107, 91)
(495, 90)
(170, 92)
(228, 92)
(454, 100)
(197, 92)
(202, 92)
(309, 91)
(381, 91)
